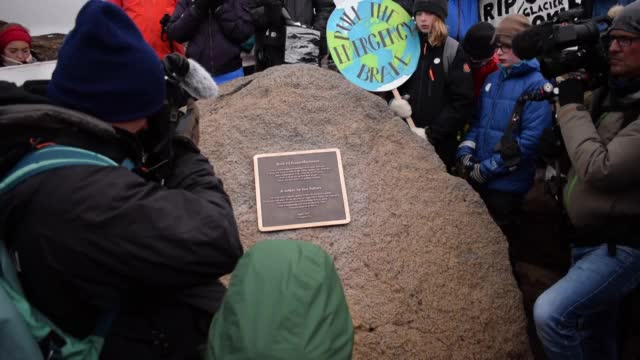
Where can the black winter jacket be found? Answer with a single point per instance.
(314, 13)
(102, 240)
(214, 38)
(442, 102)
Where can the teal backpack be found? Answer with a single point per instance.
(26, 334)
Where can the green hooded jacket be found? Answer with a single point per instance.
(285, 301)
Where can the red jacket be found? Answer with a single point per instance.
(147, 14)
(480, 75)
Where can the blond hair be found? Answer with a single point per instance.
(439, 32)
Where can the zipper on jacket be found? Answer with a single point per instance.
(422, 75)
(489, 124)
(431, 80)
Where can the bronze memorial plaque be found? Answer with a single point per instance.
(300, 189)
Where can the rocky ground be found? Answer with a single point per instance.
(46, 46)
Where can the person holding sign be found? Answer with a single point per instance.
(441, 89)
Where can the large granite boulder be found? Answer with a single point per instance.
(425, 270)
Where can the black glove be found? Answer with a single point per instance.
(475, 175)
(175, 66)
(571, 90)
(430, 138)
(465, 166)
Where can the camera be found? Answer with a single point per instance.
(567, 44)
(178, 117)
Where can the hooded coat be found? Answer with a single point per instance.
(285, 302)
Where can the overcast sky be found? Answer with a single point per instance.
(41, 16)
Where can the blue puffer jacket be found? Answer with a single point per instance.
(497, 100)
(462, 15)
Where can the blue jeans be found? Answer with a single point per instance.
(577, 317)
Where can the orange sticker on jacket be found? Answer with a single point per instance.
(466, 68)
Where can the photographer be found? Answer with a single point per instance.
(100, 249)
(577, 317)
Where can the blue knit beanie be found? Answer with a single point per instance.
(106, 69)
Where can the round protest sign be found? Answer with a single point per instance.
(374, 43)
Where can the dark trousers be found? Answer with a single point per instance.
(506, 210)
(446, 150)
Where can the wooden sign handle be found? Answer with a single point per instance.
(397, 96)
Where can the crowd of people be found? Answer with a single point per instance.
(169, 237)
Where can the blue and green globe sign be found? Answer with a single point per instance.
(374, 43)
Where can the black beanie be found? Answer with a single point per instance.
(477, 42)
(105, 67)
(437, 7)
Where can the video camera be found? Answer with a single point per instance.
(186, 81)
(567, 44)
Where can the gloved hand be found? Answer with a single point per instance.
(175, 65)
(572, 90)
(401, 107)
(430, 138)
(465, 166)
(420, 132)
(475, 175)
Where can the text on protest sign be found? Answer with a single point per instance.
(374, 43)
(538, 11)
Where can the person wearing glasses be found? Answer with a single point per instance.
(503, 184)
(577, 318)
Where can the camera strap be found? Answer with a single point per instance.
(508, 147)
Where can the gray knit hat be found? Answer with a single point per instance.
(509, 27)
(629, 19)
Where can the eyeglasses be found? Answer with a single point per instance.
(623, 41)
(502, 47)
